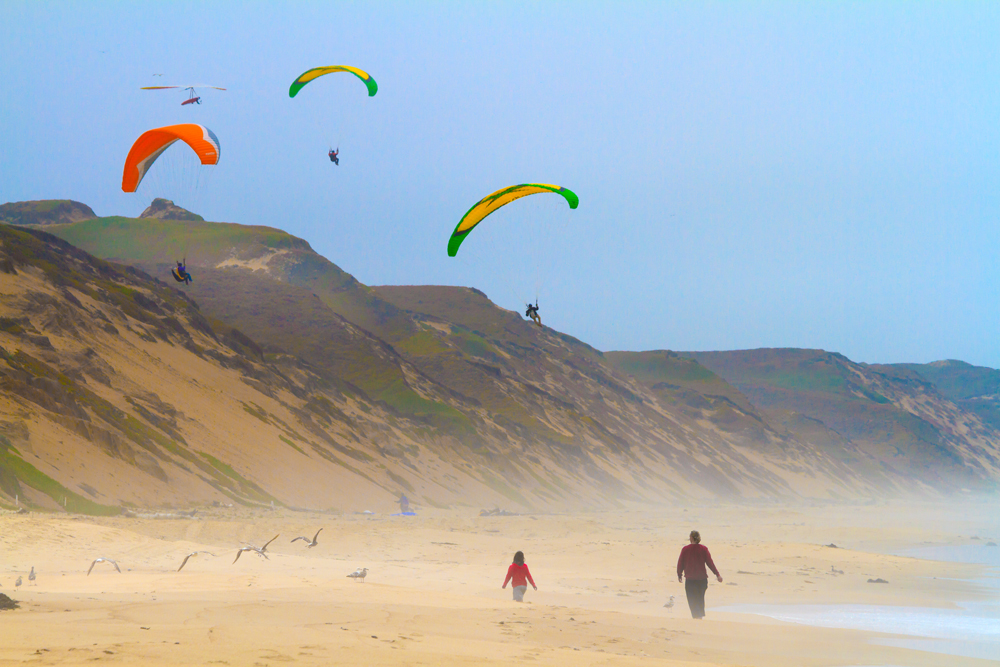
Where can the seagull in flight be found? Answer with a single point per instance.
(193, 553)
(102, 559)
(260, 551)
(359, 574)
(309, 543)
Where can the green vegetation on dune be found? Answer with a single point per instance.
(472, 343)
(14, 471)
(149, 240)
(661, 367)
(245, 488)
(421, 344)
(399, 396)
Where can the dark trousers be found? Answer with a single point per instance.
(695, 589)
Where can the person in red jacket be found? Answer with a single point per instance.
(691, 564)
(517, 573)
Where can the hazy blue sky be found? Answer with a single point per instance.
(811, 174)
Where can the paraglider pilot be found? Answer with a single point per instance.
(181, 274)
(532, 312)
(333, 156)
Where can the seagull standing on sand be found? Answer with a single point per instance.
(359, 574)
(309, 544)
(260, 551)
(670, 603)
(17, 584)
(31, 575)
(102, 559)
(193, 553)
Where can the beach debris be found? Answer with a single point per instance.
(831, 545)
(192, 554)
(669, 603)
(135, 514)
(31, 575)
(7, 603)
(102, 559)
(497, 512)
(880, 580)
(260, 551)
(359, 574)
(309, 543)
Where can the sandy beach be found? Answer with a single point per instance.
(433, 597)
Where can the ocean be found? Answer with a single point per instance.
(973, 630)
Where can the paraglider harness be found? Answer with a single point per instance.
(333, 156)
(181, 274)
(532, 312)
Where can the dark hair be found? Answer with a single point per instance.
(519, 558)
(696, 536)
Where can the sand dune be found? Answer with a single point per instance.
(433, 594)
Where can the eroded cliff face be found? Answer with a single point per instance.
(891, 413)
(975, 389)
(329, 393)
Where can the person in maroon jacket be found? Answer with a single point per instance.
(517, 573)
(691, 564)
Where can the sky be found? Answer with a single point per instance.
(814, 175)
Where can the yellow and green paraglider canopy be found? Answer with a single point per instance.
(317, 72)
(492, 202)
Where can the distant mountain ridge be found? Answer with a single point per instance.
(892, 413)
(471, 396)
(974, 388)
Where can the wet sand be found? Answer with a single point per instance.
(433, 594)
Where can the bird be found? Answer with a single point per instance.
(17, 584)
(193, 553)
(670, 603)
(248, 548)
(102, 559)
(260, 551)
(264, 548)
(31, 575)
(309, 544)
(359, 574)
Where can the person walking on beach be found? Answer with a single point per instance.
(691, 564)
(517, 573)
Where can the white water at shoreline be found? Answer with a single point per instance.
(972, 631)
